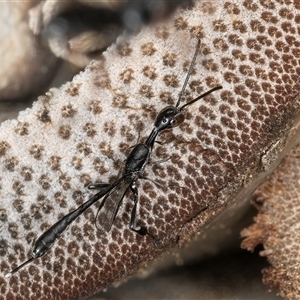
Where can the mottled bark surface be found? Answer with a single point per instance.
(81, 133)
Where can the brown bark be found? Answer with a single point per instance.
(79, 134)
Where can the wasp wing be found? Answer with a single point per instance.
(111, 203)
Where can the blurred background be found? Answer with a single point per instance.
(44, 44)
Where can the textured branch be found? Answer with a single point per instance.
(81, 133)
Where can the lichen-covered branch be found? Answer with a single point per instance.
(80, 134)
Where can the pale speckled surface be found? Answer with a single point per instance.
(79, 134)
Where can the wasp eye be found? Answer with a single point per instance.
(177, 120)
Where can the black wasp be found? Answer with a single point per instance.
(133, 168)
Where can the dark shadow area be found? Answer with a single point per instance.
(233, 276)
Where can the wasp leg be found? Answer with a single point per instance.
(97, 186)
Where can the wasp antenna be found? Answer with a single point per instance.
(201, 96)
(188, 73)
(19, 267)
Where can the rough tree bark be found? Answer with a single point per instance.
(81, 133)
